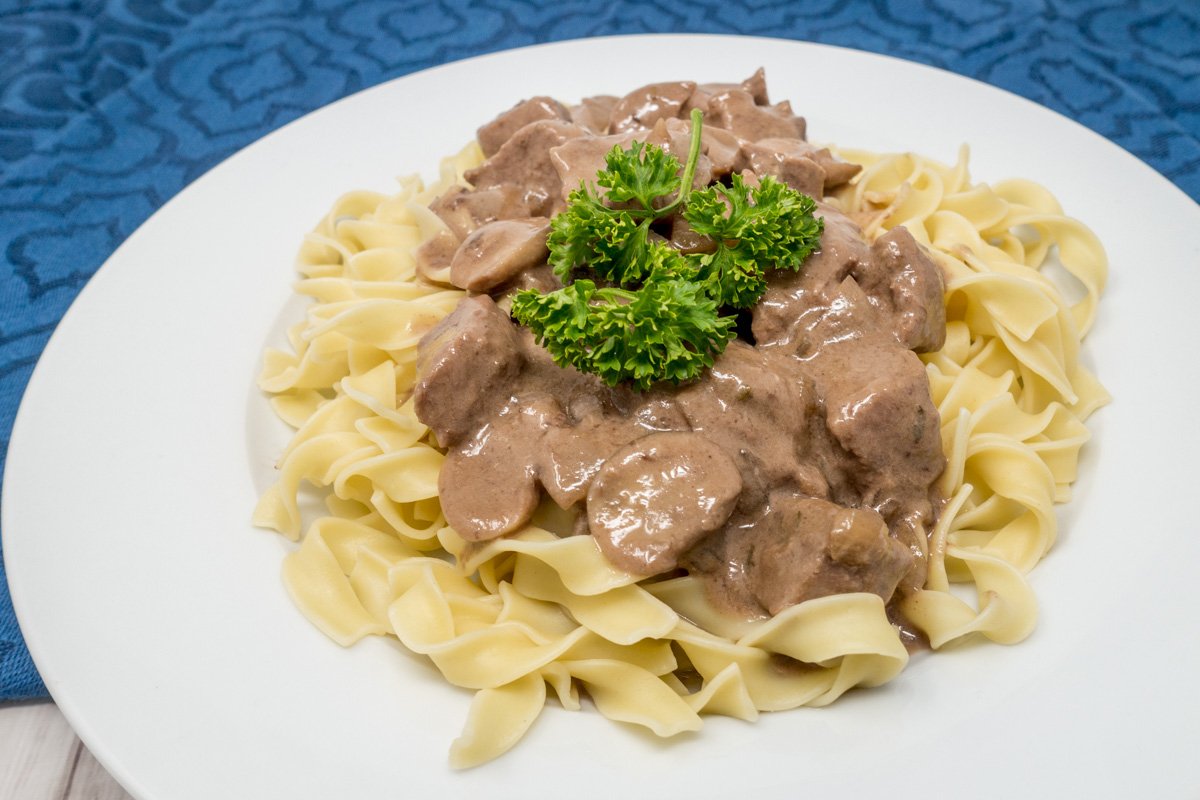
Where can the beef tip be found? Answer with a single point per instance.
(808, 548)
(908, 287)
(736, 112)
(578, 160)
(493, 135)
(720, 150)
(497, 252)
(723, 150)
(643, 107)
(675, 137)
(878, 408)
(836, 171)
(524, 161)
(686, 240)
(755, 85)
(799, 172)
(758, 407)
(655, 498)
(540, 278)
(463, 210)
(464, 366)
(794, 312)
(594, 113)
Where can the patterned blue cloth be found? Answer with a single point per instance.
(107, 109)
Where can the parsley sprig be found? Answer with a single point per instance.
(778, 228)
(661, 319)
(667, 330)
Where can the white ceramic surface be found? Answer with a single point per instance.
(155, 611)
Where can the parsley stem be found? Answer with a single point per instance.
(689, 169)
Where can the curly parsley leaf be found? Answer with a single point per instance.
(668, 330)
(770, 225)
(642, 173)
(609, 242)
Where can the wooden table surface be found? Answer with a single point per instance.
(41, 758)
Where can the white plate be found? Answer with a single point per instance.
(155, 611)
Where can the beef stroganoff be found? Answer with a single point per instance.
(899, 413)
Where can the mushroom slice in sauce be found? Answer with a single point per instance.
(497, 252)
(488, 486)
(463, 210)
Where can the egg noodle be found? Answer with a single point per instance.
(510, 617)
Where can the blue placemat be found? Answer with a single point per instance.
(107, 109)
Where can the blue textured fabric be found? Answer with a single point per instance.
(107, 109)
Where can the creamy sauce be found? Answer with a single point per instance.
(801, 465)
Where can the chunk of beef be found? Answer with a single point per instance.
(686, 240)
(656, 497)
(524, 161)
(878, 408)
(720, 150)
(497, 252)
(758, 407)
(908, 287)
(798, 171)
(755, 85)
(836, 172)
(594, 113)
(464, 366)
(798, 309)
(643, 107)
(736, 112)
(723, 150)
(494, 134)
(579, 160)
(801, 548)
